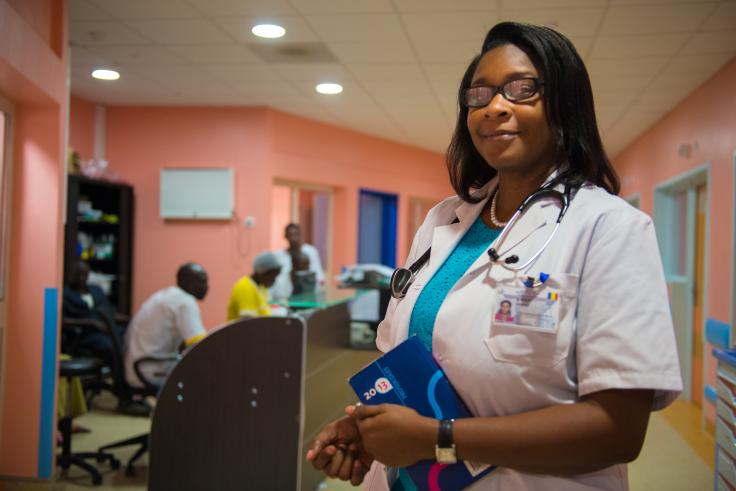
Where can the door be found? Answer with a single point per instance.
(377, 228)
(680, 214)
(698, 286)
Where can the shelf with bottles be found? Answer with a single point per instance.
(96, 247)
(87, 213)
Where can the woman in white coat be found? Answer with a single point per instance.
(561, 389)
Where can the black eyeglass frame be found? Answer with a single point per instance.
(496, 89)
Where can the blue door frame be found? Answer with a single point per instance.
(380, 249)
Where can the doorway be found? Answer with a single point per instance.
(681, 219)
(377, 217)
(308, 205)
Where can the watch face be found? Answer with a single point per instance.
(445, 455)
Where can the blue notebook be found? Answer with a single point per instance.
(408, 375)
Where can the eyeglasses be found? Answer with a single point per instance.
(514, 91)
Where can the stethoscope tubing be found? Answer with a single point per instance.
(495, 257)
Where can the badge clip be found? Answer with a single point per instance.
(532, 282)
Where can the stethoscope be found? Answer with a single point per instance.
(402, 278)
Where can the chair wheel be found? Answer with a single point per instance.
(130, 471)
(114, 463)
(97, 480)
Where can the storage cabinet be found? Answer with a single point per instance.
(99, 230)
(725, 472)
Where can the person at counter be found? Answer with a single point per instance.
(168, 319)
(249, 297)
(283, 288)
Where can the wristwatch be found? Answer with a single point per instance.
(444, 451)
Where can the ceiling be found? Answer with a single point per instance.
(400, 61)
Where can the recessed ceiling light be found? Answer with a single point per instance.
(329, 88)
(268, 31)
(105, 74)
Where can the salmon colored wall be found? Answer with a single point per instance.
(140, 142)
(706, 117)
(280, 215)
(34, 78)
(82, 127)
(262, 145)
(37, 14)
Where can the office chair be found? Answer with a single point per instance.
(79, 367)
(129, 392)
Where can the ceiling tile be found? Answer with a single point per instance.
(373, 52)
(84, 58)
(227, 8)
(357, 27)
(251, 73)
(654, 2)
(103, 34)
(444, 5)
(215, 53)
(527, 4)
(312, 73)
(81, 10)
(448, 51)
(638, 45)
(582, 44)
(265, 93)
(445, 72)
(607, 114)
(449, 26)
(167, 73)
(619, 82)
(711, 42)
(400, 61)
(137, 55)
(614, 97)
(571, 22)
(396, 73)
(722, 19)
(129, 82)
(196, 86)
(387, 94)
(697, 64)
(297, 30)
(342, 6)
(652, 19)
(146, 9)
(625, 67)
(181, 31)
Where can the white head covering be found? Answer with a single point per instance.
(265, 261)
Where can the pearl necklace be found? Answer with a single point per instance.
(494, 220)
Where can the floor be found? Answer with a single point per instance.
(676, 456)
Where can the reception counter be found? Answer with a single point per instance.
(241, 407)
(329, 363)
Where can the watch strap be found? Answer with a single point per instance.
(444, 434)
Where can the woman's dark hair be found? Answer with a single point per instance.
(568, 105)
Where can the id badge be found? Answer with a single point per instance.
(528, 308)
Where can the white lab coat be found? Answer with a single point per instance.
(615, 330)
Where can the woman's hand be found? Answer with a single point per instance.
(395, 435)
(338, 452)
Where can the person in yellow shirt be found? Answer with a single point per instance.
(249, 297)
